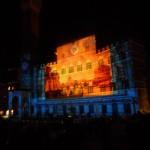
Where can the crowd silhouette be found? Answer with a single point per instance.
(72, 133)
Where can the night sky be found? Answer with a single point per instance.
(111, 22)
(62, 21)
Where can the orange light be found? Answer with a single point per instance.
(94, 76)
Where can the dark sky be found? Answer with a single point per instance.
(110, 20)
(62, 20)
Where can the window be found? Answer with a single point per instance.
(88, 65)
(79, 67)
(71, 69)
(63, 71)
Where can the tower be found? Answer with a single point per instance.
(29, 39)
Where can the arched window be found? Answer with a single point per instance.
(79, 67)
(71, 69)
(63, 71)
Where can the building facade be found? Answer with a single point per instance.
(85, 80)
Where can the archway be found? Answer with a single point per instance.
(14, 103)
(19, 103)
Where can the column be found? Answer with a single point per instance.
(20, 106)
(109, 109)
(68, 107)
(39, 82)
(35, 110)
(113, 61)
(121, 108)
(86, 108)
(50, 109)
(99, 108)
(43, 110)
(35, 84)
(77, 109)
(60, 109)
(29, 104)
(129, 68)
(43, 82)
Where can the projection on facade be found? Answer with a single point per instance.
(80, 70)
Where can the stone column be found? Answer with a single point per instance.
(120, 108)
(34, 91)
(86, 108)
(113, 61)
(29, 104)
(96, 108)
(129, 67)
(99, 108)
(43, 82)
(50, 109)
(109, 109)
(68, 108)
(59, 109)
(77, 109)
(43, 110)
(39, 82)
(35, 83)
(34, 110)
(20, 106)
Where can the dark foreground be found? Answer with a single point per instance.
(127, 133)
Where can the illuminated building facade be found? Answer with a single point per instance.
(85, 80)
(80, 70)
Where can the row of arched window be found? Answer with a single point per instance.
(79, 68)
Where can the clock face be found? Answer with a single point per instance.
(74, 50)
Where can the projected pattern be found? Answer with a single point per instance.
(79, 70)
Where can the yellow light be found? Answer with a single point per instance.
(9, 88)
(7, 113)
(12, 112)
